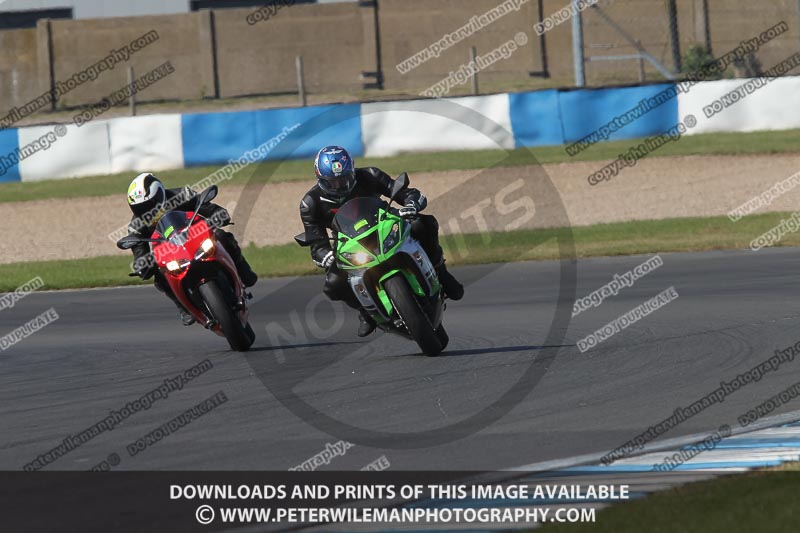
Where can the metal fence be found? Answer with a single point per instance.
(632, 41)
(378, 49)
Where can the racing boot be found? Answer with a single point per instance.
(249, 278)
(186, 316)
(366, 324)
(451, 286)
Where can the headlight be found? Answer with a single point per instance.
(391, 240)
(358, 258)
(177, 266)
(205, 248)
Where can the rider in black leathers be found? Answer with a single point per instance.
(148, 200)
(339, 181)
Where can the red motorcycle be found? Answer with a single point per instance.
(200, 273)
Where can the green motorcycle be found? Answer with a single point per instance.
(389, 272)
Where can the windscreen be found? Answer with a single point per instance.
(170, 227)
(358, 215)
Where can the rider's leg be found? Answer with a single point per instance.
(161, 284)
(227, 239)
(426, 230)
(336, 288)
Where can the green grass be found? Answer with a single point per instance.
(766, 142)
(626, 238)
(764, 501)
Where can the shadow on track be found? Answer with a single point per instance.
(299, 346)
(485, 351)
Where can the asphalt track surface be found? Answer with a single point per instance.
(111, 346)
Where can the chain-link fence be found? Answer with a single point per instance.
(679, 35)
(389, 49)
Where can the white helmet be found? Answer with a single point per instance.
(146, 195)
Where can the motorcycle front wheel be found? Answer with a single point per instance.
(237, 335)
(415, 319)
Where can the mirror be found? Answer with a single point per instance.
(126, 243)
(400, 184)
(304, 239)
(301, 239)
(205, 197)
(209, 194)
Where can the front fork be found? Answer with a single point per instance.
(222, 268)
(424, 285)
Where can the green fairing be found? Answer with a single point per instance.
(384, 298)
(412, 280)
(348, 245)
(354, 245)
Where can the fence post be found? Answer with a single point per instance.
(371, 24)
(702, 24)
(577, 45)
(45, 63)
(674, 35)
(545, 73)
(473, 57)
(301, 82)
(641, 65)
(214, 52)
(132, 99)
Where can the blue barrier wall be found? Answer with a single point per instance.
(584, 111)
(215, 138)
(9, 144)
(536, 119)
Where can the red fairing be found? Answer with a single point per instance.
(165, 252)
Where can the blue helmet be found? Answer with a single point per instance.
(336, 173)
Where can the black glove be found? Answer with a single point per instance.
(410, 210)
(326, 261)
(220, 218)
(147, 272)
